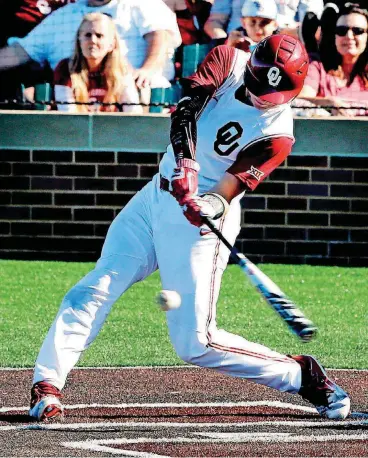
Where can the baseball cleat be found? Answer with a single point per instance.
(45, 402)
(330, 400)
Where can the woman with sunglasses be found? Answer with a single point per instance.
(340, 78)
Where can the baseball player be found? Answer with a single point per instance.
(233, 127)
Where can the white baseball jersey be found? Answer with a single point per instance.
(229, 129)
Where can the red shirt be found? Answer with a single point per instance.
(327, 85)
(97, 87)
(21, 16)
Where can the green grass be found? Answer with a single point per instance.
(136, 334)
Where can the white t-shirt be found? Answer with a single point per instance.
(176, 5)
(230, 8)
(292, 11)
(53, 39)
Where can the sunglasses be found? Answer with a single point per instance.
(342, 30)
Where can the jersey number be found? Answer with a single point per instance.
(226, 138)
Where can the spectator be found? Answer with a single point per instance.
(340, 79)
(147, 29)
(191, 16)
(201, 10)
(225, 16)
(96, 72)
(340, 3)
(293, 12)
(259, 20)
(19, 17)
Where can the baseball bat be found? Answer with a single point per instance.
(271, 293)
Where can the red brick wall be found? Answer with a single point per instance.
(59, 204)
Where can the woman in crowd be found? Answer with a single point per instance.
(97, 71)
(340, 78)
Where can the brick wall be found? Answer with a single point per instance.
(59, 204)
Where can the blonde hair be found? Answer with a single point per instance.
(114, 67)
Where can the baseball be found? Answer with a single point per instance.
(168, 300)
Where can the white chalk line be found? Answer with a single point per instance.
(275, 404)
(171, 405)
(105, 426)
(206, 437)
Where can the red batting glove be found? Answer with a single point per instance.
(184, 181)
(192, 212)
(209, 205)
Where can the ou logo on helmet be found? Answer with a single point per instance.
(274, 76)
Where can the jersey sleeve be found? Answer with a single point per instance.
(213, 71)
(258, 160)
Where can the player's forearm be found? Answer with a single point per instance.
(228, 187)
(183, 131)
(13, 56)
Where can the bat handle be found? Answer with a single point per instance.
(233, 251)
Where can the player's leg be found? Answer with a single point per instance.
(127, 256)
(193, 266)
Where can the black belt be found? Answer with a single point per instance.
(164, 184)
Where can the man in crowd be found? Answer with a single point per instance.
(226, 16)
(17, 19)
(147, 28)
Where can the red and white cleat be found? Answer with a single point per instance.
(45, 402)
(330, 400)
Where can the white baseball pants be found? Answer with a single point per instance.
(151, 232)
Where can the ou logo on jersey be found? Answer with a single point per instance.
(274, 76)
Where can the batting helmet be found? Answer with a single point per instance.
(276, 70)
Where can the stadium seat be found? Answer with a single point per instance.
(165, 95)
(193, 55)
(42, 93)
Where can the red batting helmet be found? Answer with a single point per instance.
(276, 69)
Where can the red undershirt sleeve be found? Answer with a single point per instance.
(256, 161)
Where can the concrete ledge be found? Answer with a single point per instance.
(150, 133)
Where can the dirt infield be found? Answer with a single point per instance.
(178, 412)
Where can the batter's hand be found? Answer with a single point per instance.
(184, 181)
(210, 205)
